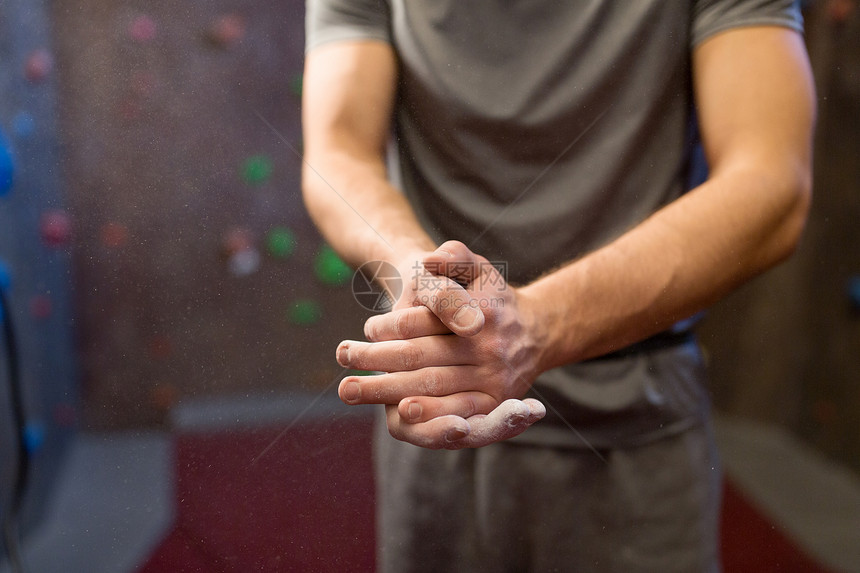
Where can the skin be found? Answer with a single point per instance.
(455, 380)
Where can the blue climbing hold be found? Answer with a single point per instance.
(23, 124)
(5, 283)
(7, 166)
(34, 437)
(5, 276)
(853, 291)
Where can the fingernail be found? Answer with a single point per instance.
(455, 434)
(448, 254)
(414, 411)
(515, 420)
(343, 354)
(466, 317)
(351, 391)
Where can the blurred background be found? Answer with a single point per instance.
(167, 393)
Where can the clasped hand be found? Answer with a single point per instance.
(457, 353)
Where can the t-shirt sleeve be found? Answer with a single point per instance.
(713, 16)
(336, 20)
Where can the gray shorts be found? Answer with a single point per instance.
(507, 507)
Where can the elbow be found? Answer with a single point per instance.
(308, 188)
(797, 201)
(309, 193)
(314, 187)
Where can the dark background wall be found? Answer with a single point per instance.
(177, 131)
(786, 348)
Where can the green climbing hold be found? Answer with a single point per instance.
(330, 269)
(281, 242)
(256, 169)
(296, 85)
(305, 312)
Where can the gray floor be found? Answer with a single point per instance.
(114, 501)
(111, 508)
(817, 502)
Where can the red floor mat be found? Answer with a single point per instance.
(752, 543)
(306, 504)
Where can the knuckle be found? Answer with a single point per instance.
(404, 325)
(370, 329)
(454, 244)
(470, 406)
(432, 383)
(411, 355)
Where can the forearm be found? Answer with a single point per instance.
(347, 104)
(358, 212)
(755, 104)
(679, 261)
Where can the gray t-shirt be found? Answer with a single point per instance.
(537, 131)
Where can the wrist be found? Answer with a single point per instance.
(537, 322)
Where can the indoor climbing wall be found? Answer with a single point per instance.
(197, 270)
(38, 375)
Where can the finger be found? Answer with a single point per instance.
(511, 418)
(403, 355)
(435, 434)
(451, 303)
(455, 260)
(417, 409)
(403, 324)
(536, 410)
(394, 387)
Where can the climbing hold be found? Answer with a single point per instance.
(236, 240)
(164, 396)
(256, 169)
(305, 312)
(330, 269)
(7, 167)
(839, 11)
(5, 276)
(38, 65)
(160, 347)
(853, 291)
(281, 242)
(244, 263)
(5, 281)
(34, 437)
(23, 124)
(41, 306)
(297, 84)
(226, 30)
(113, 235)
(242, 255)
(56, 228)
(143, 29)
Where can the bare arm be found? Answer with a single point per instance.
(756, 107)
(347, 102)
(347, 106)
